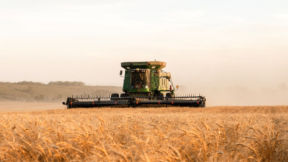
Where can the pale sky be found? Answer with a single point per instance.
(220, 46)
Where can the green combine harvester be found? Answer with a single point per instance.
(145, 85)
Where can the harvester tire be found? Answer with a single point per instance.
(114, 96)
(124, 95)
(168, 95)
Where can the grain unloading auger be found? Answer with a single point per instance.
(145, 85)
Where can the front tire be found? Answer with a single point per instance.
(114, 96)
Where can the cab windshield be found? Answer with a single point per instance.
(140, 79)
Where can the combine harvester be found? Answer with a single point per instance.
(145, 85)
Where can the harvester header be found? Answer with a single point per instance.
(145, 84)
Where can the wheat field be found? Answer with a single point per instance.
(146, 134)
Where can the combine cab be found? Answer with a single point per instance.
(145, 85)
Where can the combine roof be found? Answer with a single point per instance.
(144, 65)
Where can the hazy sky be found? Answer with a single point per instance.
(207, 44)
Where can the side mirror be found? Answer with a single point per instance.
(121, 72)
